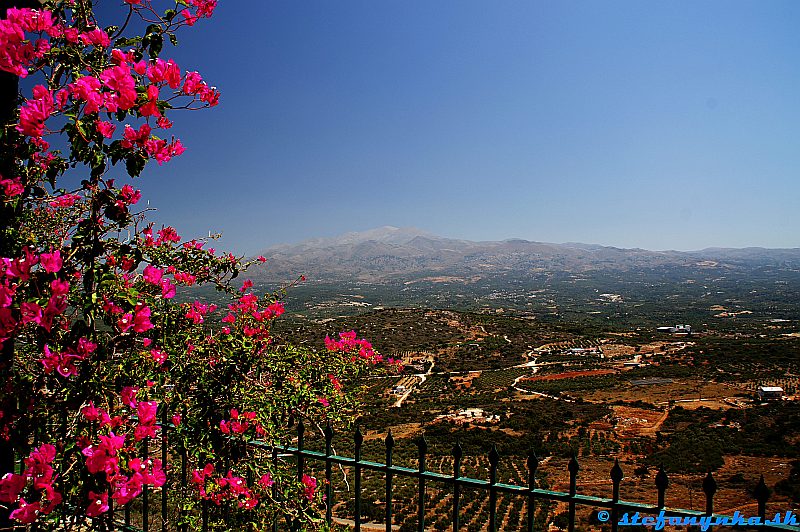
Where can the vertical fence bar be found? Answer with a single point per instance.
(204, 505)
(184, 484)
(533, 465)
(573, 468)
(359, 439)
(662, 483)
(389, 447)
(762, 495)
(494, 459)
(422, 446)
(145, 491)
(328, 474)
(458, 452)
(616, 477)
(301, 462)
(110, 513)
(709, 488)
(166, 470)
(275, 487)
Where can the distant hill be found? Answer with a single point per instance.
(392, 254)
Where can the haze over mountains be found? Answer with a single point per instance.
(389, 254)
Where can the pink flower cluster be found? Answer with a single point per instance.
(309, 487)
(138, 320)
(227, 488)
(155, 276)
(17, 52)
(17, 271)
(38, 468)
(198, 310)
(349, 343)
(239, 423)
(64, 362)
(253, 320)
(106, 456)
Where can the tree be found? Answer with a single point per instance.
(100, 354)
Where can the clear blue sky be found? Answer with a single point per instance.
(663, 125)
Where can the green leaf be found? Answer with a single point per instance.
(156, 44)
(134, 164)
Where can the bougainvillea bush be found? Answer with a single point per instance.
(102, 340)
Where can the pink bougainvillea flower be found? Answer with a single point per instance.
(158, 356)
(123, 88)
(30, 312)
(12, 187)
(96, 37)
(59, 288)
(152, 274)
(26, 513)
(167, 289)
(128, 396)
(10, 487)
(98, 504)
(90, 412)
(141, 319)
(65, 200)
(52, 262)
(106, 129)
(189, 17)
(35, 111)
(129, 196)
(309, 487)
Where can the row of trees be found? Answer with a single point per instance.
(93, 338)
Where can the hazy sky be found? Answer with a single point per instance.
(664, 125)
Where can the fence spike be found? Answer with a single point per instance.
(328, 438)
(494, 456)
(662, 483)
(709, 488)
(389, 442)
(457, 451)
(359, 438)
(762, 494)
(616, 472)
(422, 445)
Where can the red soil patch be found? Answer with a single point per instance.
(568, 375)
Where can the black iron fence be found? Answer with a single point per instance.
(153, 511)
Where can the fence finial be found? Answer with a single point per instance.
(761, 494)
(494, 456)
(709, 488)
(616, 472)
(458, 451)
(662, 483)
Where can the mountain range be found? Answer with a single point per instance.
(391, 254)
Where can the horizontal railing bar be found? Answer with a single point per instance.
(536, 493)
